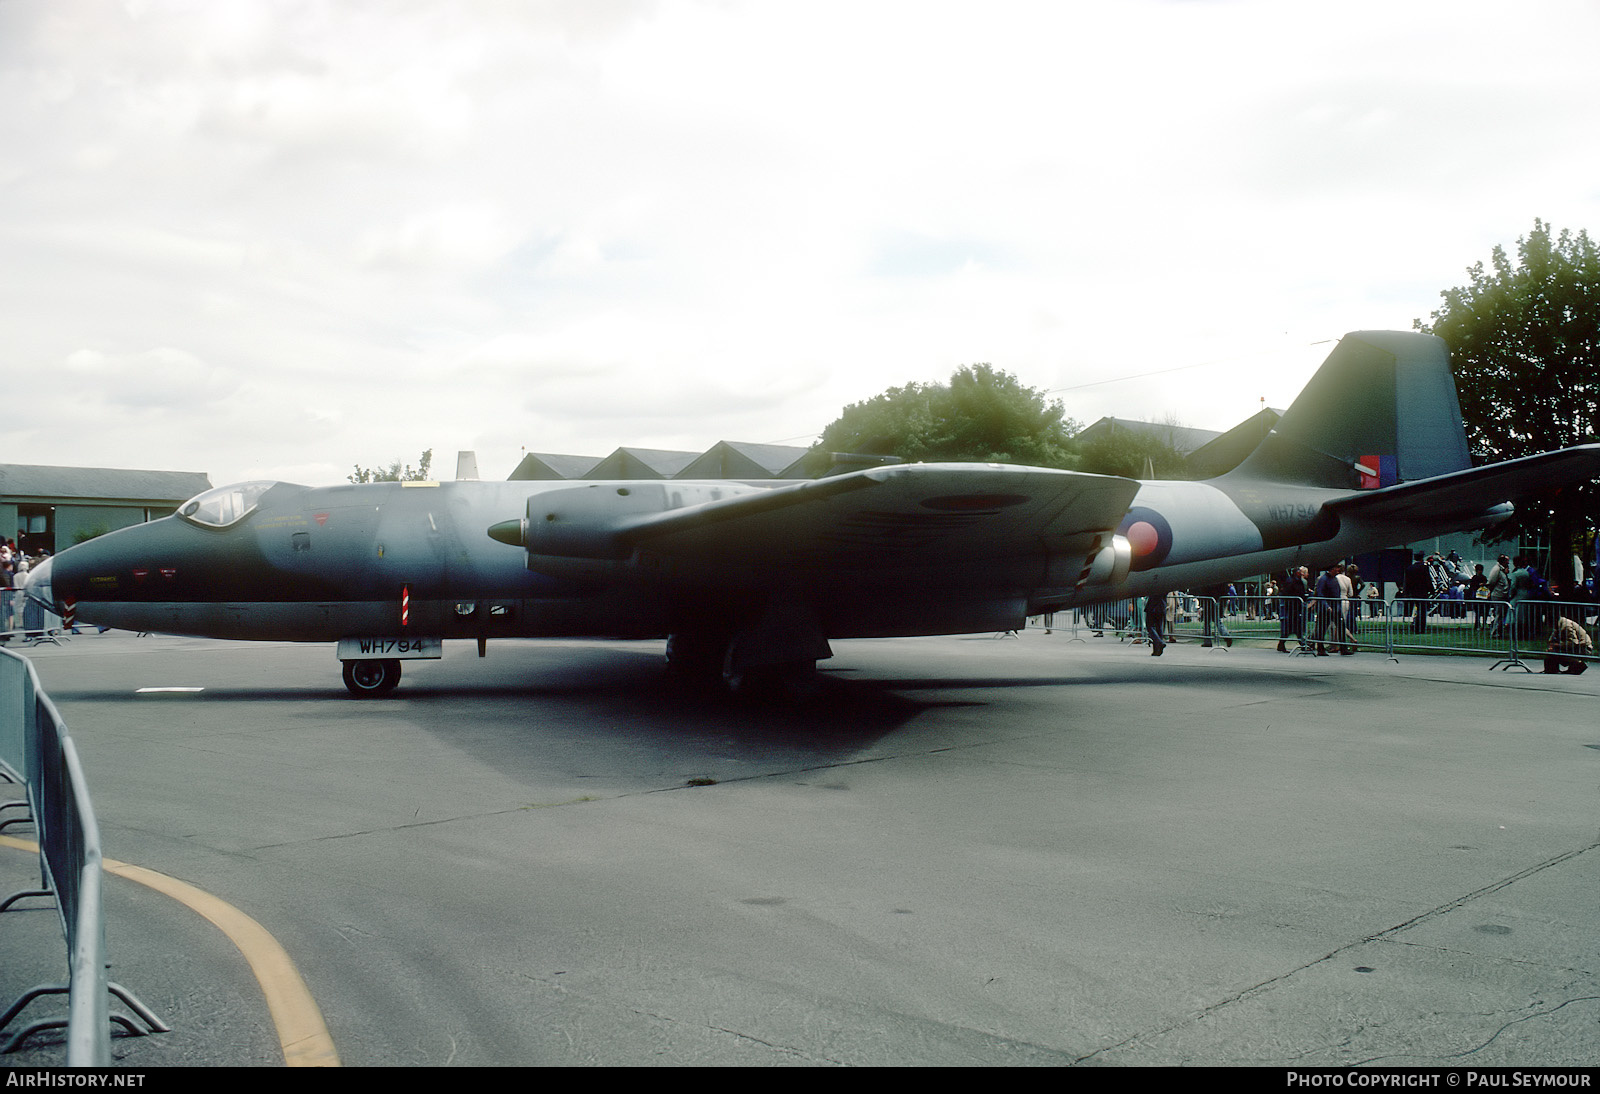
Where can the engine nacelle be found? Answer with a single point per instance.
(583, 522)
(1111, 564)
(589, 521)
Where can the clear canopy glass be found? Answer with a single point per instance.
(226, 504)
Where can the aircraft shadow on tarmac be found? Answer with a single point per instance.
(622, 695)
(513, 709)
(608, 695)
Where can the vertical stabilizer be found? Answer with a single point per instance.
(1381, 410)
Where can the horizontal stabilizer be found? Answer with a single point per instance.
(1464, 494)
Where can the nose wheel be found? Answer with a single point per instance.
(368, 679)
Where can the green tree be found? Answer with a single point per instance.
(84, 535)
(395, 473)
(1134, 454)
(982, 415)
(1525, 349)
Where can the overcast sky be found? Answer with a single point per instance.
(273, 240)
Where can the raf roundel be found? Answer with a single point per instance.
(1148, 534)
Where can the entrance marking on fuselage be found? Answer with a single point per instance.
(302, 1033)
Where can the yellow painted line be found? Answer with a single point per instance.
(301, 1030)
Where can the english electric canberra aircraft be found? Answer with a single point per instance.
(748, 579)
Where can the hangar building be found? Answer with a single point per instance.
(51, 508)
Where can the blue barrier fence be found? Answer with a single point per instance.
(37, 753)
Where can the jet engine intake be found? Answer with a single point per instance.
(1110, 565)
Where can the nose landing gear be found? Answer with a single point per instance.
(369, 679)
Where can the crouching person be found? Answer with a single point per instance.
(1567, 637)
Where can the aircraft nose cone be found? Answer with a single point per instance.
(512, 532)
(41, 584)
(60, 579)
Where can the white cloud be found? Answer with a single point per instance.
(330, 233)
(162, 379)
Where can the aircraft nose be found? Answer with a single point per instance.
(41, 585)
(58, 580)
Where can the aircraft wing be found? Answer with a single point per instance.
(1468, 493)
(903, 516)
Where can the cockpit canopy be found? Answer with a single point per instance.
(225, 505)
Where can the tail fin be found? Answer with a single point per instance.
(1381, 410)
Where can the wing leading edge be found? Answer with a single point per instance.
(936, 512)
(976, 525)
(905, 516)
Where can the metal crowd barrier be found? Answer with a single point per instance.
(1123, 619)
(36, 751)
(28, 619)
(1115, 617)
(1511, 632)
(1454, 626)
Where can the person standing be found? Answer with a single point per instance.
(1352, 584)
(1417, 589)
(1213, 602)
(1499, 587)
(1330, 608)
(1292, 608)
(1155, 622)
(1477, 592)
(1525, 586)
(5, 585)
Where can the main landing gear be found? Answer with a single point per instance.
(369, 679)
(711, 660)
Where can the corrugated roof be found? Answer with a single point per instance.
(641, 463)
(1182, 437)
(22, 480)
(551, 465)
(741, 460)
